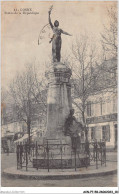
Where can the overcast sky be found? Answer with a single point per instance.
(20, 32)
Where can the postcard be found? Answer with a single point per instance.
(59, 96)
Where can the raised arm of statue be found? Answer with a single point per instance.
(50, 19)
(66, 33)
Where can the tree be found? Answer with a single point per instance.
(27, 90)
(85, 74)
(109, 35)
(110, 48)
(4, 94)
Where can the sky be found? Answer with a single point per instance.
(19, 33)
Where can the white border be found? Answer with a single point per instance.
(59, 189)
(62, 0)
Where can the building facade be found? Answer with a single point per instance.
(101, 106)
(13, 127)
(101, 117)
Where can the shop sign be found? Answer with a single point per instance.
(101, 119)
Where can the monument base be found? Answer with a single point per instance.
(57, 150)
(58, 98)
(58, 154)
(62, 163)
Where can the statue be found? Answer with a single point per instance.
(72, 126)
(69, 122)
(56, 39)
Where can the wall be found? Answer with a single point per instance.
(98, 128)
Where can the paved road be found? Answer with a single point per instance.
(9, 161)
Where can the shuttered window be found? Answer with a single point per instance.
(106, 133)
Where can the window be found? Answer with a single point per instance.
(115, 105)
(104, 108)
(93, 133)
(106, 133)
(89, 109)
(101, 104)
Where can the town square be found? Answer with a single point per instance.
(59, 94)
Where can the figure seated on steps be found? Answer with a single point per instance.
(72, 127)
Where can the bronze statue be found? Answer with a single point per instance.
(56, 39)
(72, 127)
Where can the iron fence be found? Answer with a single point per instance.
(61, 156)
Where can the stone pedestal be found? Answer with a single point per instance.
(56, 151)
(58, 100)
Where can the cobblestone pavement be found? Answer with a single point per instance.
(9, 161)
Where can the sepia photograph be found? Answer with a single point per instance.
(59, 74)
